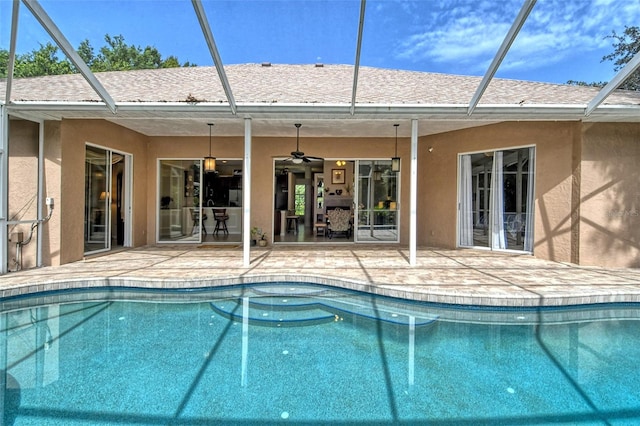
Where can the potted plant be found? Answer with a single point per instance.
(262, 242)
(256, 234)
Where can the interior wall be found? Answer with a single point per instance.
(438, 180)
(610, 195)
(74, 136)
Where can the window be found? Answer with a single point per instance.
(299, 200)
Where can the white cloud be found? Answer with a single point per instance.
(469, 32)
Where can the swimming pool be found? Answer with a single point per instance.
(295, 353)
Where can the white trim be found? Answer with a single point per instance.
(128, 200)
(481, 151)
(127, 188)
(532, 174)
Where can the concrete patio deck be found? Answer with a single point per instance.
(467, 277)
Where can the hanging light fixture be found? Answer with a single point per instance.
(297, 159)
(395, 161)
(340, 163)
(210, 162)
(377, 173)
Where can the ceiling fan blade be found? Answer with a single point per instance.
(312, 158)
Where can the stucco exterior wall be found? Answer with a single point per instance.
(587, 201)
(53, 241)
(438, 176)
(74, 134)
(23, 185)
(610, 195)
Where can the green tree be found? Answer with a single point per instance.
(116, 55)
(4, 63)
(626, 46)
(43, 61)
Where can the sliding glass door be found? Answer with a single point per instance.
(107, 206)
(179, 215)
(377, 210)
(495, 199)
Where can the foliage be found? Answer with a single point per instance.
(257, 234)
(116, 55)
(626, 46)
(599, 84)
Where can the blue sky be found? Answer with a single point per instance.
(561, 40)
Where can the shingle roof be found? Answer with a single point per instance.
(329, 84)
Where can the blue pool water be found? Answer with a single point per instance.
(306, 354)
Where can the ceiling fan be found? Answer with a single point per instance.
(298, 156)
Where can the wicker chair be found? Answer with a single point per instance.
(339, 222)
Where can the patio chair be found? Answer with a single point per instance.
(339, 222)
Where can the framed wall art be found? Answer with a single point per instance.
(337, 176)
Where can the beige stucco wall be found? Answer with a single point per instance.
(587, 196)
(610, 195)
(438, 173)
(23, 181)
(74, 134)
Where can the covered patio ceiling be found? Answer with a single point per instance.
(185, 119)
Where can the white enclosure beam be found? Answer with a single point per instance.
(413, 196)
(246, 196)
(356, 67)
(619, 78)
(62, 42)
(502, 52)
(12, 50)
(208, 35)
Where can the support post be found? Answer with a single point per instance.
(4, 188)
(246, 196)
(413, 197)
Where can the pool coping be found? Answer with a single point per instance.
(412, 293)
(445, 276)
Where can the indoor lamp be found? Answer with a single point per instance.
(210, 162)
(395, 161)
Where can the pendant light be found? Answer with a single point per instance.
(395, 161)
(210, 162)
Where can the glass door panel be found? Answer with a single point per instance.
(97, 214)
(179, 214)
(496, 199)
(377, 211)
